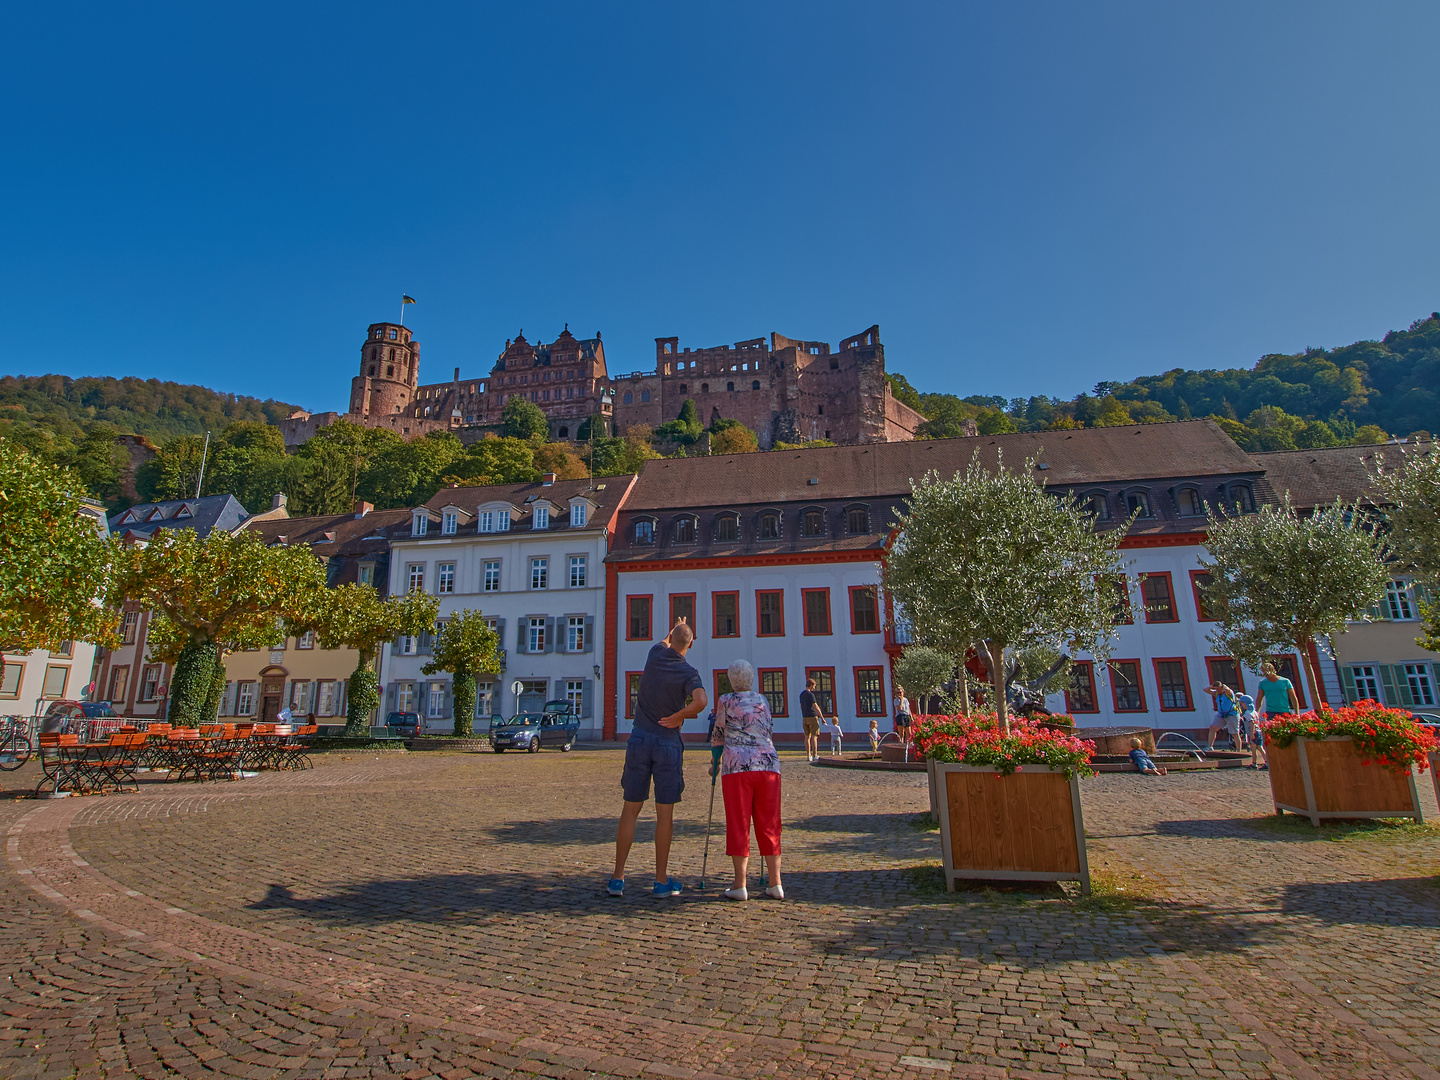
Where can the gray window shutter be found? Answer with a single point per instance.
(398, 643)
(549, 634)
(1403, 685)
(427, 643)
(587, 698)
(1387, 681)
(1347, 680)
(589, 635)
(390, 695)
(520, 635)
(449, 700)
(561, 629)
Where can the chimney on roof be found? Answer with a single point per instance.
(279, 501)
(361, 508)
(546, 479)
(457, 374)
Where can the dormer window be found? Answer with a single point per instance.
(644, 531)
(578, 514)
(727, 528)
(1137, 503)
(857, 520)
(1097, 504)
(487, 521)
(449, 522)
(421, 525)
(540, 519)
(770, 526)
(685, 530)
(1242, 498)
(812, 523)
(1191, 504)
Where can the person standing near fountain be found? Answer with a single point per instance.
(903, 720)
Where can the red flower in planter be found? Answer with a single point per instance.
(1390, 737)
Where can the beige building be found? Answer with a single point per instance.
(296, 673)
(1378, 659)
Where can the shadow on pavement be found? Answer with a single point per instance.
(1407, 902)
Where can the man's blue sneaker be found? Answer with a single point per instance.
(616, 886)
(668, 888)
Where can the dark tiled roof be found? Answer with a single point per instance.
(332, 534)
(1187, 448)
(606, 492)
(1318, 477)
(212, 512)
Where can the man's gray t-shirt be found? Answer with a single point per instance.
(665, 685)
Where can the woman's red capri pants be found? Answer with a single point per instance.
(751, 795)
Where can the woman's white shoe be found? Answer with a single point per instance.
(775, 892)
(736, 894)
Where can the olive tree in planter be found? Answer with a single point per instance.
(221, 591)
(54, 565)
(922, 670)
(354, 617)
(1280, 580)
(990, 555)
(465, 646)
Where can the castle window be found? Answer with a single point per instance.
(727, 527)
(730, 386)
(389, 370)
(820, 410)
(770, 526)
(683, 388)
(812, 523)
(857, 520)
(644, 396)
(1138, 503)
(564, 432)
(392, 335)
(755, 385)
(372, 369)
(704, 388)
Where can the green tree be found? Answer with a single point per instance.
(494, 461)
(354, 617)
(618, 457)
(100, 462)
(408, 473)
(922, 670)
(248, 460)
(1412, 493)
(54, 566)
(174, 472)
(992, 556)
(521, 419)
(1278, 580)
(220, 591)
(560, 459)
(994, 422)
(465, 647)
(734, 438)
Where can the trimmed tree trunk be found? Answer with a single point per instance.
(363, 695)
(462, 696)
(1303, 648)
(217, 689)
(997, 684)
(190, 684)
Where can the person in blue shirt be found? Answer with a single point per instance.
(1141, 760)
(670, 693)
(1227, 716)
(1277, 694)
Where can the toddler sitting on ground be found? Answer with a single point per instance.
(1141, 760)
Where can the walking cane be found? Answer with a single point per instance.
(714, 772)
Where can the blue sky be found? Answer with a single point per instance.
(1026, 197)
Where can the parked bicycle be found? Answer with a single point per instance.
(15, 748)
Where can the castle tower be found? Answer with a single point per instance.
(389, 372)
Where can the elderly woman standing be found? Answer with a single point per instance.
(749, 779)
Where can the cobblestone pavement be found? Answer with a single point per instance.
(443, 915)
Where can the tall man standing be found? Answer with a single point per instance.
(654, 750)
(810, 717)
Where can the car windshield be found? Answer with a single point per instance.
(523, 720)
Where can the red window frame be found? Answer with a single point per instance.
(632, 692)
(630, 600)
(715, 677)
(1238, 685)
(1120, 590)
(683, 596)
(715, 614)
(860, 697)
(870, 591)
(1297, 679)
(834, 706)
(1089, 666)
(1160, 689)
(1139, 683)
(1195, 576)
(784, 709)
(805, 595)
(769, 592)
(1150, 616)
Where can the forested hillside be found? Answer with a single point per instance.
(1321, 397)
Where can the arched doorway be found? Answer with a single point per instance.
(272, 692)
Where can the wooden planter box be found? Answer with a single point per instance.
(1324, 779)
(1023, 827)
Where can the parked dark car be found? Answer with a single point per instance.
(404, 724)
(534, 731)
(60, 716)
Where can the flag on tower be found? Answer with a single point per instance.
(406, 299)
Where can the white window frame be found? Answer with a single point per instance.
(578, 512)
(575, 694)
(1398, 601)
(502, 521)
(132, 624)
(325, 697)
(535, 635)
(492, 575)
(540, 572)
(579, 567)
(1422, 690)
(409, 646)
(305, 640)
(434, 701)
(415, 574)
(367, 574)
(575, 633)
(1367, 682)
(405, 697)
(245, 698)
(420, 525)
(449, 522)
(301, 691)
(487, 521)
(540, 517)
(484, 700)
(444, 578)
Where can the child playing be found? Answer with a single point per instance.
(874, 737)
(1141, 760)
(833, 727)
(1251, 719)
